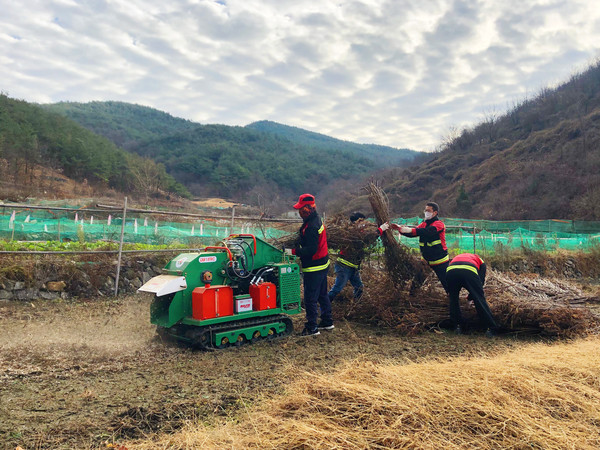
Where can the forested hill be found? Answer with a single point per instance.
(125, 124)
(241, 163)
(382, 155)
(539, 160)
(31, 136)
(233, 162)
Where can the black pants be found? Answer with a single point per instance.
(465, 278)
(440, 271)
(315, 295)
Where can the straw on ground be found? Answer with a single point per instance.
(541, 396)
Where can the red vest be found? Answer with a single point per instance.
(467, 258)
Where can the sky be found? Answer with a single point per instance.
(402, 73)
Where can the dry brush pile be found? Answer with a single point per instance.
(521, 304)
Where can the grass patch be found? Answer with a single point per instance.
(74, 246)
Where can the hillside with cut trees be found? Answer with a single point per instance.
(539, 160)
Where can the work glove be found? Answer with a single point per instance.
(384, 226)
(406, 230)
(287, 251)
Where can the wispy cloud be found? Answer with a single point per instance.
(391, 72)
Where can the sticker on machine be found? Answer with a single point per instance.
(207, 259)
(181, 261)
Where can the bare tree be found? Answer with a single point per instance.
(449, 139)
(147, 177)
(490, 123)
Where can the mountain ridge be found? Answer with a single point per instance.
(264, 159)
(391, 154)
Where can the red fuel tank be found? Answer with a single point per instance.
(211, 302)
(264, 296)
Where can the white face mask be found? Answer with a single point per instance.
(428, 215)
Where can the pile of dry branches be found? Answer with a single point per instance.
(520, 304)
(540, 305)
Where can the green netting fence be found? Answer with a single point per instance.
(462, 234)
(507, 226)
(37, 226)
(490, 236)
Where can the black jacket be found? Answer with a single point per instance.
(312, 248)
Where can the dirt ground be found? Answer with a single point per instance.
(214, 203)
(84, 374)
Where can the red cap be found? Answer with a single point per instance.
(305, 199)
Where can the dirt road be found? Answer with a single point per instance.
(80, 374)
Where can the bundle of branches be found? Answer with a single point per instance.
(287, 240)
(402, 266)
(341, 234)
(533, 306)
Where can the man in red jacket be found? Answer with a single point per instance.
(467, 270)
(432, 241)
(314, 257)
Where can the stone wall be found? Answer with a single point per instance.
(48, 278)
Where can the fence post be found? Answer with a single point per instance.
(59, 229)
(521, 235)
(474, 239)
(120, 247)
(232, 218)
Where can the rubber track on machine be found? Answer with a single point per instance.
(196, 332)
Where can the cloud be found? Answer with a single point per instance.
(391, 72)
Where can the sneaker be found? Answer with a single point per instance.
(310, 332)
(326, 326)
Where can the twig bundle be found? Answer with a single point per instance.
(402, 266)
(341, 234)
